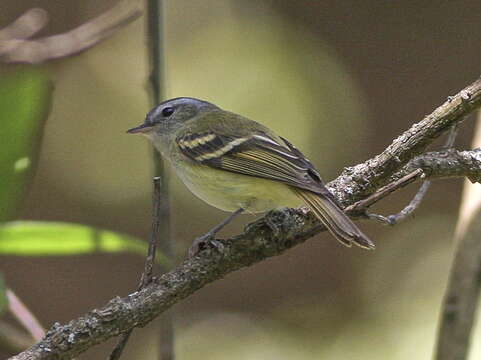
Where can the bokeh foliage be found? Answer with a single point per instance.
(36, 238)
(25, 99)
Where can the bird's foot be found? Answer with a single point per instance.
(276, 220)
(202, 242)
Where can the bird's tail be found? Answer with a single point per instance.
(336, 221)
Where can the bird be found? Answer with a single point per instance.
(240, 166)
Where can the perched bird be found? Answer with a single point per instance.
(238, 165)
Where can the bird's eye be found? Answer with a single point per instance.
(167, 111)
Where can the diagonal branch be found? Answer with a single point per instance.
(269, 236)
(23, 315)
(365, 178)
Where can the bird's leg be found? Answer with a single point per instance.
(209, 236)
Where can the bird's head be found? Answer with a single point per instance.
(170, 115)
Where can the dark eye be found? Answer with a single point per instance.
(167, 111)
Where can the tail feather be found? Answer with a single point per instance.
(335, 220)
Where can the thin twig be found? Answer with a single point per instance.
(361, 206)
(451, 139)
(147, 274)
(408, 210)
(418, 198)
(155, 41)
(155, 22)
(259, 241)
(21, 312)
(15, 47)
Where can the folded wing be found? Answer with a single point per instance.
(255, 155)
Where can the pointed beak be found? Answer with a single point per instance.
(142, 129)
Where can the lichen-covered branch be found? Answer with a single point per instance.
(365, 178)
(423, 189)
(440, 164)
(445, 164)
(269, 236)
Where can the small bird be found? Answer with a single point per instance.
(238, 165)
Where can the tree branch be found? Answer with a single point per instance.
(418, 198)
(362, 205)
(446, 164)
(16, 47)
(27, 25)
(24, 316)
(270, 236)
(461, 298)
(462, 295)
(363, 179)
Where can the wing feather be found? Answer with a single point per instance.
(257, 155)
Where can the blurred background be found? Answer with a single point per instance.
(340, 80)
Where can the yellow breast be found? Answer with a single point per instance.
(230, 191)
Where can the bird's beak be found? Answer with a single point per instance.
(142, 129)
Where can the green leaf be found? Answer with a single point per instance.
(3, 295)
(25, 99)
(35, 238)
